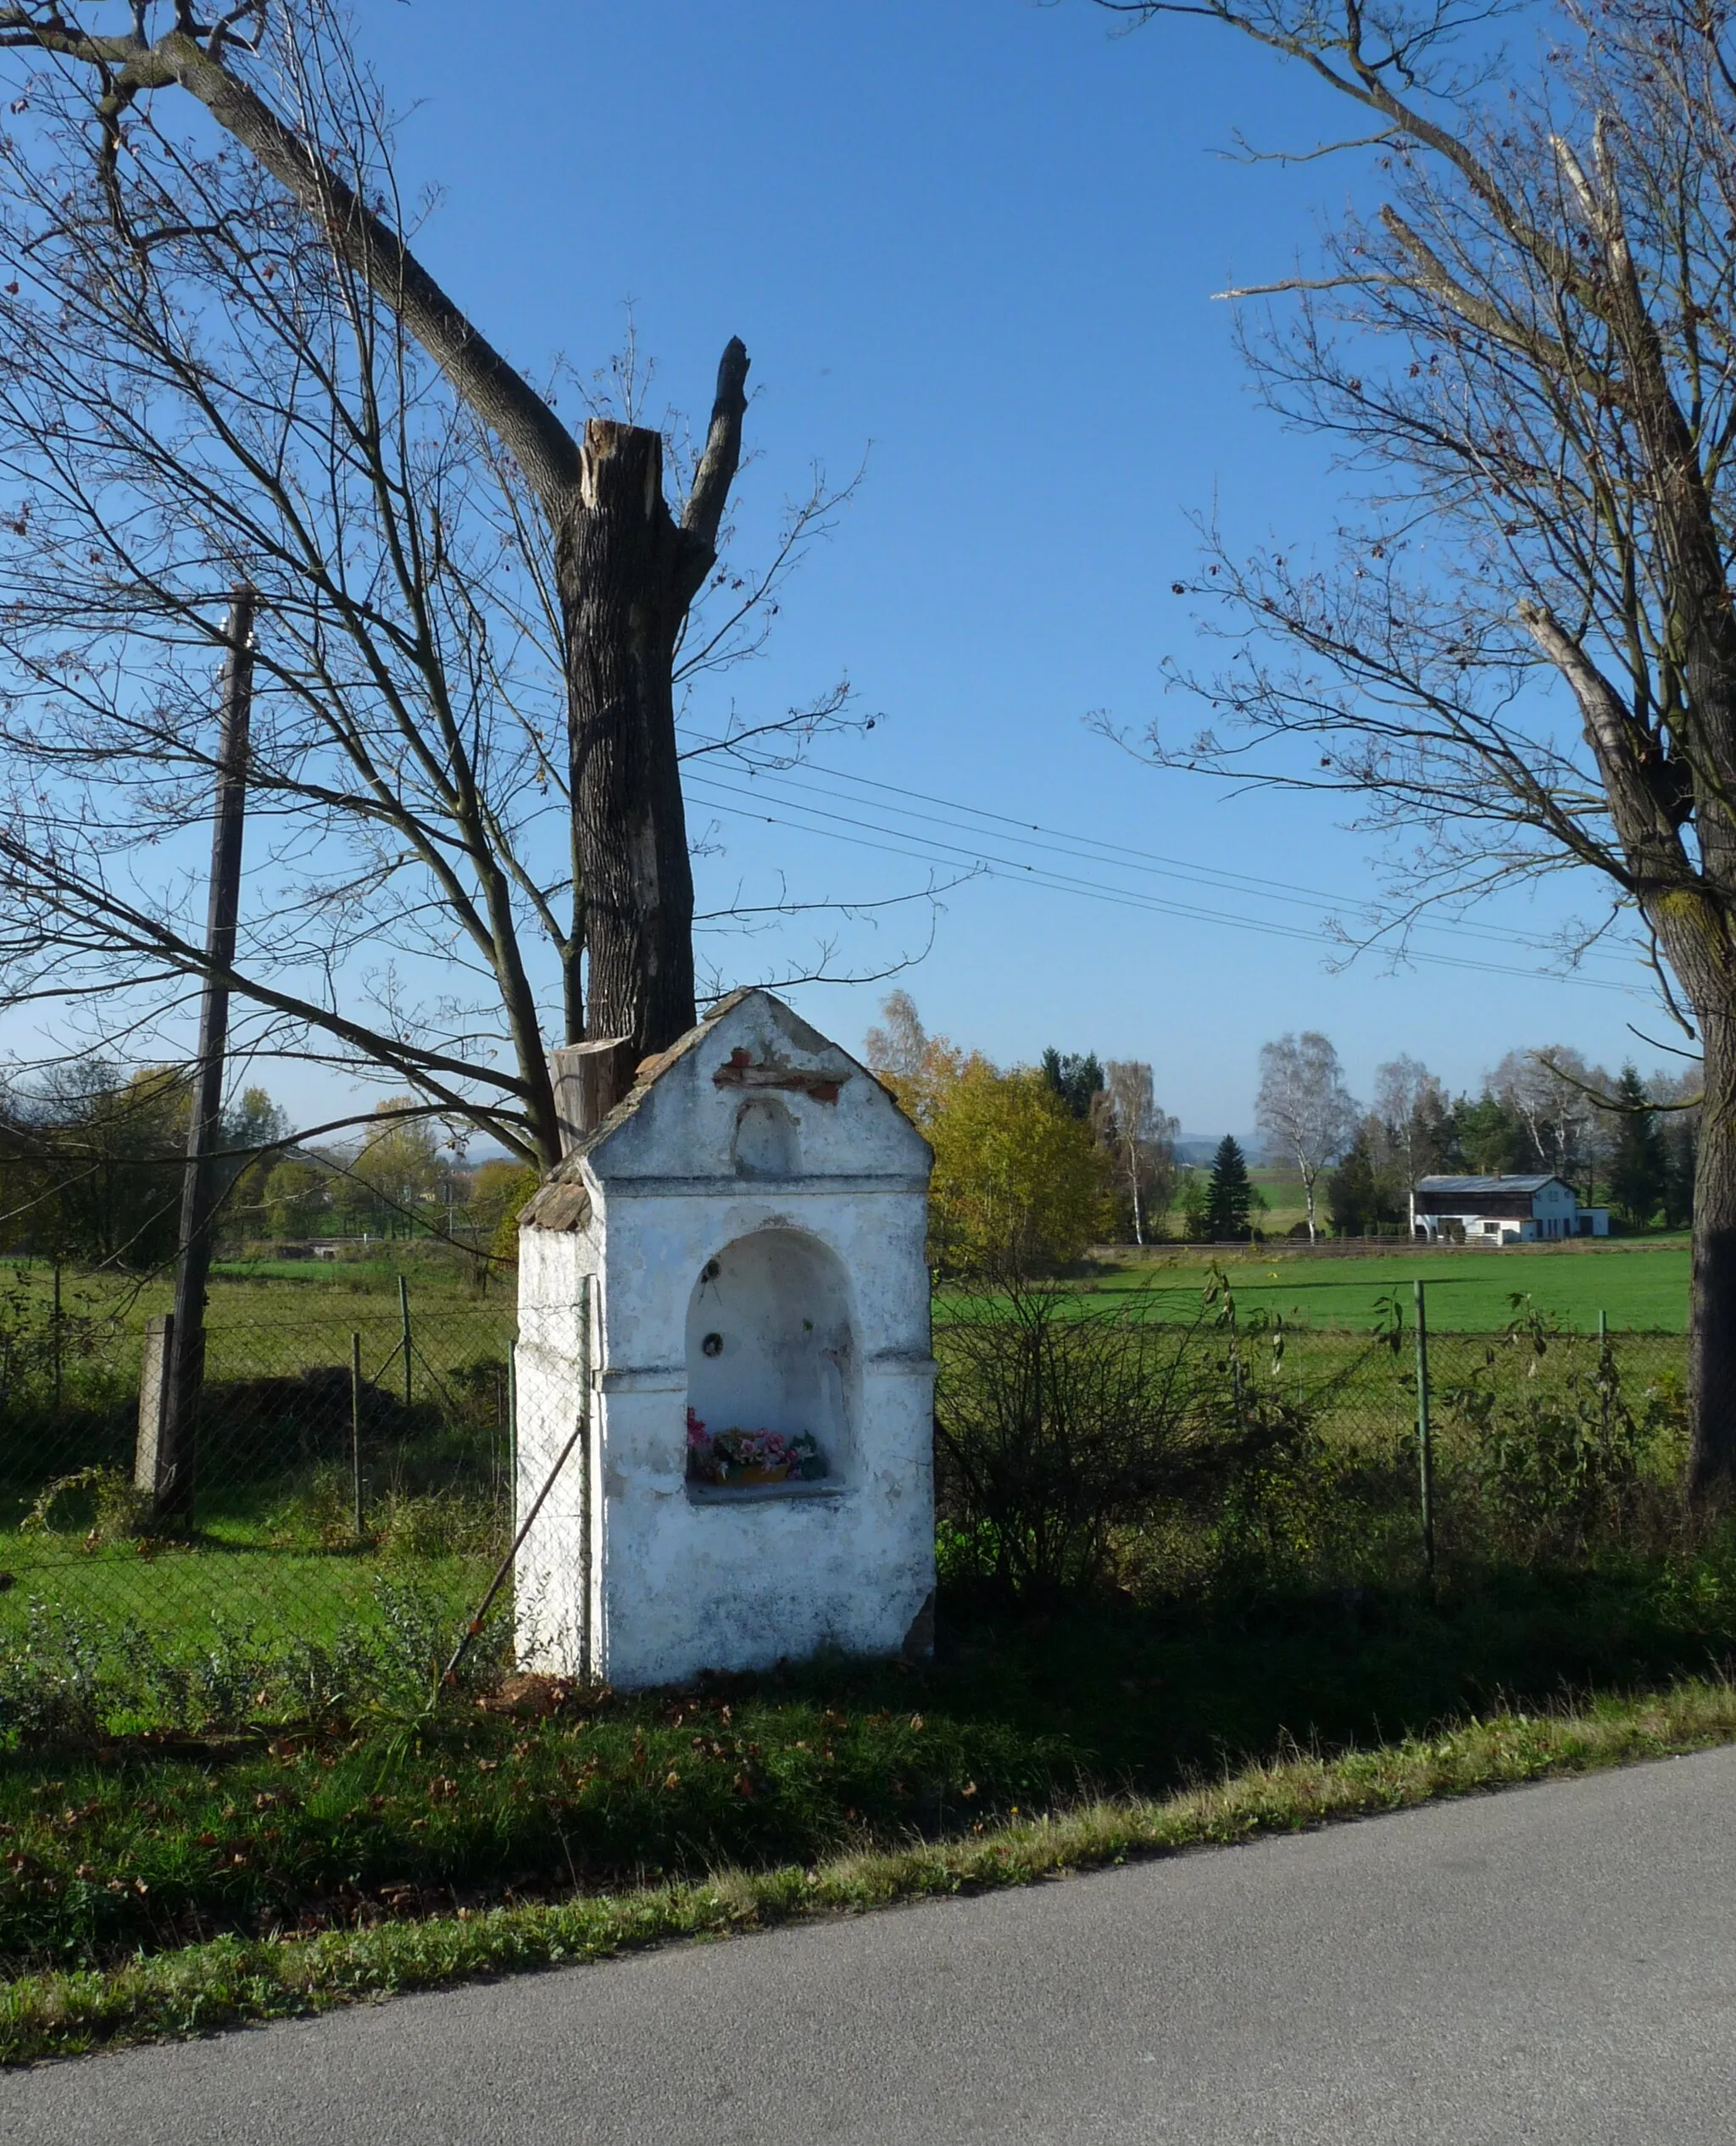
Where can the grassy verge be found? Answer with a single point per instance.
(232, 1980)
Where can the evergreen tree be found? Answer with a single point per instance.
(1489, 1139)
(1681, 1139)
(1355, 1202)
(1640, 1169)
(1229, 1196)
(1074, 1076)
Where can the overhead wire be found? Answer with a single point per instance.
(782, 786)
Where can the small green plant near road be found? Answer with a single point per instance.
(1558, 1460)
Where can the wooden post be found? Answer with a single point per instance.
(589, 1079)
(1425, 1442)
(404, 1313)
(355, 1427)
(153, 1395)
(174, 1492)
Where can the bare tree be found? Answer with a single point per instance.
(220, 362)
(1140, 1137)
(1411, 1107)
(1304, 1106)
(900, 1049)
(1553, 1093)
(1529, 348)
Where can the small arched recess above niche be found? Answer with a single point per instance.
(767, 1141)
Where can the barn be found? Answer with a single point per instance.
(1501, 1210)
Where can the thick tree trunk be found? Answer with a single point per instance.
(1712, 1326)
(624, 569)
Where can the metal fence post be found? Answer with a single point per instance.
(404, 1313)
(1425, 1442)
(512, 1421)
(355, 1427)
(1605, 1375)
(587, 1326)
(55, 1330)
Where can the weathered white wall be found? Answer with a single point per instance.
(815, 1210)
(555, 1271)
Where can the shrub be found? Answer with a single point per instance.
(98, 1503)
(1566, 1461)
(1062, 1421)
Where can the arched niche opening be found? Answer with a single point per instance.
(770, 1346)
(767, 1141)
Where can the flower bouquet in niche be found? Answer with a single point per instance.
(739, 1457)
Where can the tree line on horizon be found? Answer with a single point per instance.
(92, 1162)
(1033, 1163)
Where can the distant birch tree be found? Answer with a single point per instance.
(1304, 1108)
(1140, 1139)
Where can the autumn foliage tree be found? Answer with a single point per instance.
(1020, 1186)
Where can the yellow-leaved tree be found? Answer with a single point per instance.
(1020, 1185)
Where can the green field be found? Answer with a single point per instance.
(1640, 1285)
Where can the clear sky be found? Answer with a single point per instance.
(977, 239)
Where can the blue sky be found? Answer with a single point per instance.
(978, 242)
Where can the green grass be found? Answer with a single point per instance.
(1640, 1284)
(184, 1600)
(1286, 1202)
(111, 1843)
(229, 1979)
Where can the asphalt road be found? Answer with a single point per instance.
(1556, 1963)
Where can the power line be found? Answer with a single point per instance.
(956, 815)
(869, 833)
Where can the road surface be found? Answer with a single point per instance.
(1554, 1964)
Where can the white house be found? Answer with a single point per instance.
(1501, 1210)
(731, 1265)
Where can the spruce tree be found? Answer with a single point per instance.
(1076, 1076)
(1353, 1197)
(1639, 1170)
(1229, 1197)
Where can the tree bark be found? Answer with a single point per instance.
(1711, 1352)
(618, 558)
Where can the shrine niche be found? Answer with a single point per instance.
(728, 1268)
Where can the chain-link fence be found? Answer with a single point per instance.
(354, 1452)
(1081, 1440)
(350, 1487)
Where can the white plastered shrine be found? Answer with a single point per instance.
(738, 1246)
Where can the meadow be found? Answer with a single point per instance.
(1640, 1284)
(275, 1544)
(309, 1513)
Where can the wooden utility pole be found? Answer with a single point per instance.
(174, 1472)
